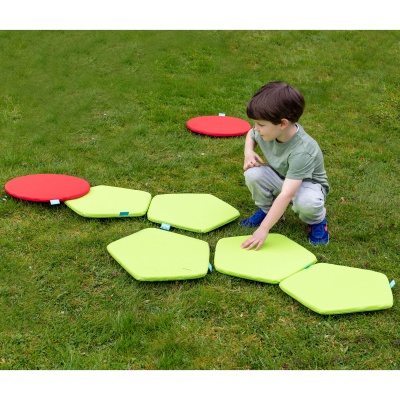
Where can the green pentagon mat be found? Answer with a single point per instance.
(337, 289)
(278, 258)
(111, 202)
(191, 211)
(156, 255)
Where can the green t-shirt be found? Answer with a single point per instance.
(299, 158)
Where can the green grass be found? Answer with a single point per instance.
(111, 107)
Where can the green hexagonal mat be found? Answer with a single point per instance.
(337, 289)
(278, 258)
(156, 255)
(195, 212)
(111, 202)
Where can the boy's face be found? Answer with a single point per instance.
(267, 130)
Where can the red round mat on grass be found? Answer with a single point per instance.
(47, 187)
(218, 126)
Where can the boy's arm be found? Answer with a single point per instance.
(289, 189)
(251, 158)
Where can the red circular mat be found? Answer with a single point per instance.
(218, 126)
(47, 187)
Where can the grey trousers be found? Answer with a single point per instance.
(265, 185)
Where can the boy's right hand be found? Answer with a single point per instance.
(256, 240)
(252, 159)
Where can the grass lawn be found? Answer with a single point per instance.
(111, 107)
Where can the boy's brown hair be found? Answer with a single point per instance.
(275, 101)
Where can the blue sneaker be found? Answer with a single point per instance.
(254, 220)
(318, 233)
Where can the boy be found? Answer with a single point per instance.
(295, 173)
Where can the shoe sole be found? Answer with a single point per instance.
(319, 244)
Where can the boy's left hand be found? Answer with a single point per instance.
(256, 240)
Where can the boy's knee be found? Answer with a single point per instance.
(252, 174)
(309, 206)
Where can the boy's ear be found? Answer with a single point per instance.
(284, 123)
